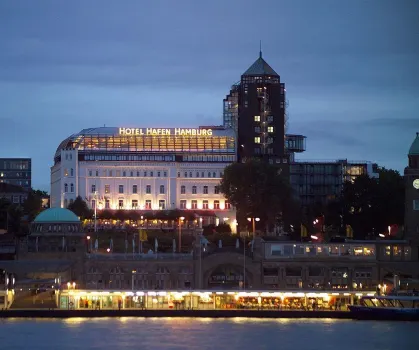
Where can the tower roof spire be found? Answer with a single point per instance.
(260, 49)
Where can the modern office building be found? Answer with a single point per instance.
(16, 171)
(145, 169)
(411, 177)
(321, 181)
(256, 109)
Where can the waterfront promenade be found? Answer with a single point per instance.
(266, 314)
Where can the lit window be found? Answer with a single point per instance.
(270, 129)
(216, 204)
(162, 204)
(120, 203)
(257, 139)
(257, 118)
(148, 204)
(183, 204)
(227, 204)
(205, 204)
(194, 204)
(134, 204)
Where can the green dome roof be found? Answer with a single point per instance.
(57, 215)
(414, 149)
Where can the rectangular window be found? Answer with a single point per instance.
(205, 204)
(216, 190)
(148, 204)
(162, 204)
(158, 174)
(121, 204)
(257, 150)
(270, 129)
(107, 188)
(132, 173)
(110, 173)
(121, 188)
(148, 189)
(194, 204)
(107, 204)
(165, 174)
(227, 204)
(183, 204)
(134, 204)
(257, 118)
(257, 129)
(270, 118)
(93, 188)
(205, 189)
(97, 172)
(193, 189)
(416, 204)
(134, 188)
(216, 204)
(257, 139)
(161, 189)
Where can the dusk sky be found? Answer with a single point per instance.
(351, 70)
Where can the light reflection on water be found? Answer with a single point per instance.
(205, 333)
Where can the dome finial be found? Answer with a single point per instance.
(260, 48)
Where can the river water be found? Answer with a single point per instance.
(203, 334)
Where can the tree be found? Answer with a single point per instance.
(256, 189)
(32, 205)
(369, 204)
(80, 208)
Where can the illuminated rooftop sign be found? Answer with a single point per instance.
(167, 132)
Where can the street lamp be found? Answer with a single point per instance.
(89, 248)
(253, 221)
(314, 237)
(180, 232)
(95, 196)
(108, 250)
(132, 281)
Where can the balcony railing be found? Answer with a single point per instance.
(136, 256)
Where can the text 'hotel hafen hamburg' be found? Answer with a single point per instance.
(146, 169)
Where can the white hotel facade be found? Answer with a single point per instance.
(145, 170)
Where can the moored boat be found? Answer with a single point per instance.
(390, 307)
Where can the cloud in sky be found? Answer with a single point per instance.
(350, 68)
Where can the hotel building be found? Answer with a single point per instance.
(145, 170)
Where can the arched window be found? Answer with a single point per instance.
(209, 174)
(65, 188)
(182, 189)
(161, 189)
(71, 172)
(71, 188)
(197, 174)
(213, 174)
